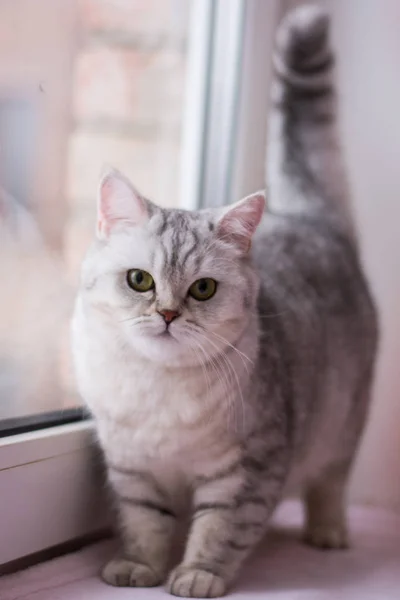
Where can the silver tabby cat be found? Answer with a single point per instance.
(227, 355)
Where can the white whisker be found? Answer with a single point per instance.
(227, 343)
(219, 370)
(221, 356)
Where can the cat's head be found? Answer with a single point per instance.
(176, 285)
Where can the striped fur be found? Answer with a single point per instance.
(263, 387)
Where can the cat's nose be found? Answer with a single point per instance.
(169, 315)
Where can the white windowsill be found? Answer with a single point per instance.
(281, 569)
(50, 491)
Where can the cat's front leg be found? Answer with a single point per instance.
(147, 525)
(225, 528)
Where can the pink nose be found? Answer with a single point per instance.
(169, 315)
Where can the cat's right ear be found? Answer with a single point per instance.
(119, 204)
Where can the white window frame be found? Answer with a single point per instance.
(225, 151)
(50, 492)
(49, 489)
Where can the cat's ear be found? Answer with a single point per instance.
(239, 221)
(119, 204)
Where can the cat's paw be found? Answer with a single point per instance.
(190, 582)
(125, 573)
(327, 537)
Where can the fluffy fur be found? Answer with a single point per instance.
(264, 386)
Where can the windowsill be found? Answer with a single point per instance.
(282, 569)
(50, 489)
(12, 426)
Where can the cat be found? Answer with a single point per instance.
(227, 355)
(35, 304)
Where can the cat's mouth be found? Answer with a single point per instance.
(166, 334)
(169, 335)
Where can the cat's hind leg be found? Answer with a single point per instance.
(325, 504)
(325, 495)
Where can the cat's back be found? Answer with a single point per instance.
(311, 271)
(317, 319)
(318, 335)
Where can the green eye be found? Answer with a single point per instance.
(140, 281)
(203, 289)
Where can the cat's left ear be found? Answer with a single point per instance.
(119, 204)
(239, 221)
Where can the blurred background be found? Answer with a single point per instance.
(83, 84)
(175, 94)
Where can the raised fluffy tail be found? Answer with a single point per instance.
(304, 170)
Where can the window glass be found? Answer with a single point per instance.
(83, 84)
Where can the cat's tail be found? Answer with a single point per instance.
(304, 166)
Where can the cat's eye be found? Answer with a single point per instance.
(140, 281)
(203, 289)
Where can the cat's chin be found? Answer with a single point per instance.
(164, 348)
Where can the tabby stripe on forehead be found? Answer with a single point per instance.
(176, 242)
(192, 249)
(165, 256)
(222, 474)
(147, 504)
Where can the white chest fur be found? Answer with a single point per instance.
(147, 413)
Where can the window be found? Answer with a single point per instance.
(83, 83)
